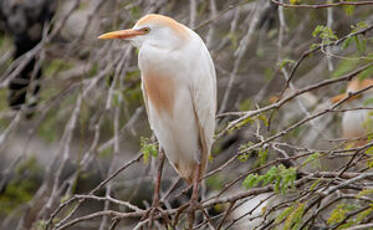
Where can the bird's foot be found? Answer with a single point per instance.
(193, 203)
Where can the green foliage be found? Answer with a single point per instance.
(361, 44)
(349, 9)
(284, 214)
(263, 118)
(313, 186)
(346, 43)
(148, 149)
(241, 124)
(369, 152)
(262, 157)
(339, 213)
(245, 156)
(294, 2)
(362, 215)
(21, 187)
(360, 41)
(285, 62)
(359, 26)
(365, 192)
(251, 180)
(294, 219)
(325, 33)
(280, 176)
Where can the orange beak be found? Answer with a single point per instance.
(121, 34)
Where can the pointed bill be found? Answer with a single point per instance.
(121, 34)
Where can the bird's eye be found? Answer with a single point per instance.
(146, 30)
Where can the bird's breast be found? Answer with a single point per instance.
(160, 89)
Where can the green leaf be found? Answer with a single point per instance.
(339, 213)
(365, 192)
(349, 10)
(262, 157)
(347, 42)
(284, 214)
(360, 44)
(362, 215)
(263, 118)
(325, 33)
(294, 2)
(241, 124)
(285, 62)
(294, 220)
(271, 175)
(250, 181)
(280, 176)
(243, 157)
(313, 186)
(148, 149)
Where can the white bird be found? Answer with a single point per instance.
(179, 89)
(355, 122)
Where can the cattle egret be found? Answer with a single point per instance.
(179, 89)
(354, 123)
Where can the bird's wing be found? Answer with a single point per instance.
(203, 91)
(145, 96)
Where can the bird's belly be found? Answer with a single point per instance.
(177, 133)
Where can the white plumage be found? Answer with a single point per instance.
(179, 87)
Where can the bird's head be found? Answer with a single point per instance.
(153, 30)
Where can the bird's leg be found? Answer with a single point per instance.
(157, 187)
(194, 198)
(157, 183)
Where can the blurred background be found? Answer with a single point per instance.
(71, 108)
